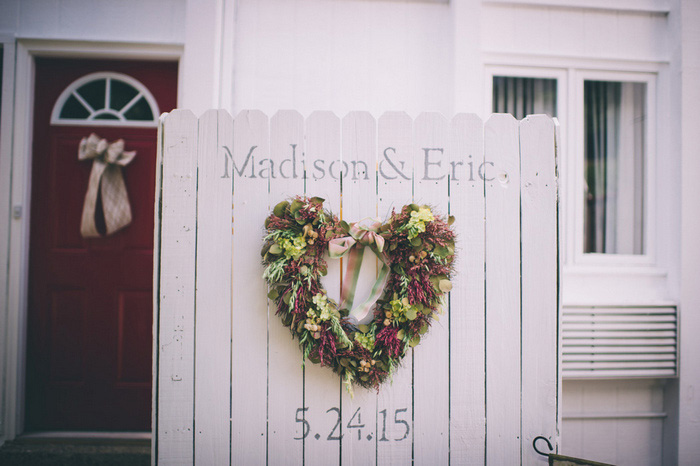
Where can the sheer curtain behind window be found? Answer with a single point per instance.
(614, 164)
(524, 96)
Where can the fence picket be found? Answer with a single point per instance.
(359, 149)
(431, 383)
(467, 319)
(249, 313)
(539, 265)
(213, 293)
(503, 357)
(175, 408)
(284, 372)
(394, 190)
(321, 386)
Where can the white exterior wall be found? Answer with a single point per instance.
(152, 21)
(343, 56)
(427, 55)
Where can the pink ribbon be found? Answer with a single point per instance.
(364, 233)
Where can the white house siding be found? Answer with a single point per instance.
(343, 56)
(152, 21)
(615, 421)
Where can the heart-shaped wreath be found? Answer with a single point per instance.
(363, 344)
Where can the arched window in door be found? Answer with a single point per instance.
(106, 99)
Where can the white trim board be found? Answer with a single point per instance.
(17, 254)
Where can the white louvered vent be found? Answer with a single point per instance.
(619, 342)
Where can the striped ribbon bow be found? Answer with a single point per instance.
(364, 233)
(106, 175)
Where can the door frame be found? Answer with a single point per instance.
(17, 253)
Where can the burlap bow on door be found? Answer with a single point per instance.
(106, 174)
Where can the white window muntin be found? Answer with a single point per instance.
(71, 89)
(647, 257)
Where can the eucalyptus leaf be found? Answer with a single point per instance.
(280, 208)
(344, 226)
(275, 249)
(423, 329)
(414, 207)
(411, 313)
(296, 205)
(273, 294)
(416, 242)
(317, 199)
(415, 341)
(363, 328)
(450, 219)
(401, 334)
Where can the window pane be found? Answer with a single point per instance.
(74, 109)
(614, 119)
(524, 96)
(139, 111)
(121, 94)
(94, 93)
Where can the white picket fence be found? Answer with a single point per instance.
(230, 386)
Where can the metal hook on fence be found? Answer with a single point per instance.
(549, 444)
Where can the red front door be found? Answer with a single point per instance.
(89, 341)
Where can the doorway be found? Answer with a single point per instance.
(89, 328)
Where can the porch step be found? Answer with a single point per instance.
(65, 452)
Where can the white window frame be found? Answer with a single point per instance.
(648, 255)
(596, 279)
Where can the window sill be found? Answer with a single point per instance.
(591, 285)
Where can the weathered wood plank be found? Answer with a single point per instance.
(538, 199)
(321, 386)
(467, 304)
(431, 373)
(157, 217)
(285, 398)
(177, 290)
(251, 168)
(359, 149)
(503, 376)
(213, 292)
(394, 190)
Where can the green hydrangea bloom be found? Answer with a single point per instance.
(416, 224)
(323, 306)
(294, 247)
(365, 340)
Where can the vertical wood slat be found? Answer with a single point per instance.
(213, 292)
(177, 281)
(359, 149)
(431, 400)
(249, 313)
(539, 240)
(157, 216)
(321, 386)
(285, 378)
(395, 188)
(467, 305)
(503, 376)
